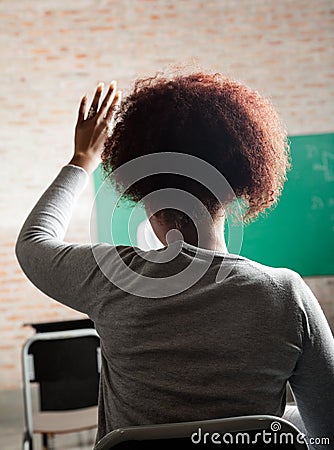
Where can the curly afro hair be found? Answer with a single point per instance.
(209, 116)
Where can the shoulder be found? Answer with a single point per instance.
(280, 277)
(287, 283)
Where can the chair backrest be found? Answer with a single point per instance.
(66, 366)
(258, 431)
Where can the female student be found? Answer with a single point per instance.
(224, 337)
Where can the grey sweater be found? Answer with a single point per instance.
(214, 350)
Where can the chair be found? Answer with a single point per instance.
(235, 432)
(65, 365)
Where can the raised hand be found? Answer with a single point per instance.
(91, 131)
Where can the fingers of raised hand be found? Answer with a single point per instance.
(95, 103)
(116, 100)
(82, 109)
(108, 98)
(104, 112)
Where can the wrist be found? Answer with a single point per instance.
(87, 163)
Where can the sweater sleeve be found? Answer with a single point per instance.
(312, 381)
(61, 270)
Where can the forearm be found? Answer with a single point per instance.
(49, 219)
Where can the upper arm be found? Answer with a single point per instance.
(82, 277)
(67, 273)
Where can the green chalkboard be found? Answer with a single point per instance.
(298, 233)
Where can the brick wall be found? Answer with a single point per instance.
(53, 52)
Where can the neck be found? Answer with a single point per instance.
(210, 237)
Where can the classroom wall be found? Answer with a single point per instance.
(53, 52)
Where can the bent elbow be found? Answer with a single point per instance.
(21, 252)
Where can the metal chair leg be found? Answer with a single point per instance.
(27, 441)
